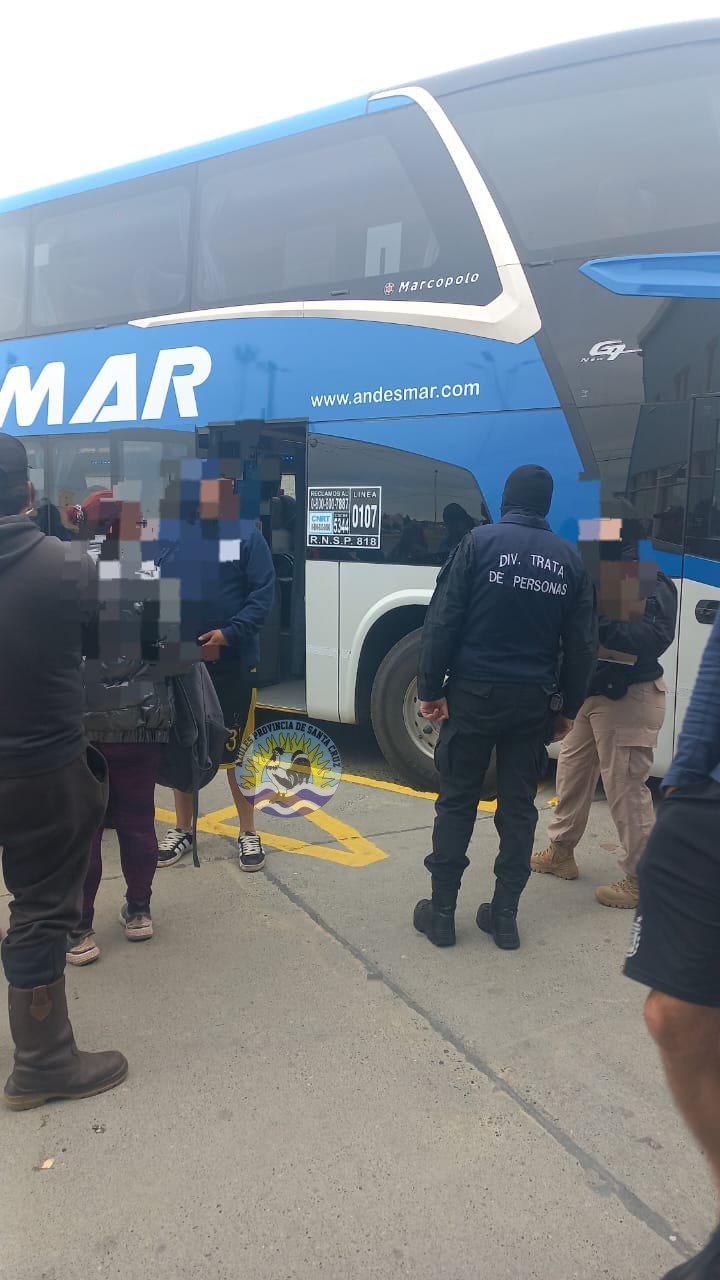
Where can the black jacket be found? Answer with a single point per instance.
(47, 592)
(514, 605)
(647, 638)
(127, 695)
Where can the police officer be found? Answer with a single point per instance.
(615, 733)
(513, 624)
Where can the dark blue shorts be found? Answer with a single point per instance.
(234, 686)
(675, 946)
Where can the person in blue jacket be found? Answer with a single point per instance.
(226, 586)
(675, 947)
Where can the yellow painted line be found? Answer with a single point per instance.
(362, 850)
(489, 806)
(357, 851)
(379, 785)
(164, 815)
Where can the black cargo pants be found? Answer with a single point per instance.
(516, 721)
(47, 822)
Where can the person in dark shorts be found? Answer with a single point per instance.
(236, 694)
(675, 945)
(227, 586)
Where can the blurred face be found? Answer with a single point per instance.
(217, 500)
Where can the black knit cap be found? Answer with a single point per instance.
(13, 460)
(528, 489)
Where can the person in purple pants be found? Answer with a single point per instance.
(128, 717)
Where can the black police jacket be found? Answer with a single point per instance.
(513, 605)
(646, 639)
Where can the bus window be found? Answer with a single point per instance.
(67, 470)
(108, 255)
(77, 466)
(657, 477)
(603, 156)
(703, 521)
(150, 460)
(371, 207)
(426, 505)
(13, 265)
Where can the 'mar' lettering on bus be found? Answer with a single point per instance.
(113, 393)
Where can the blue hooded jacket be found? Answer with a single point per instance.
(226, 580)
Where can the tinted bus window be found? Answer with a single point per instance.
(657, 475)
(427, 505)
(138, 465)
(623, 152)
(703, 517)
(111, 255)
(360, 209)
(13, 266)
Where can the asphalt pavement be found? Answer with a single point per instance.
(315, 1090)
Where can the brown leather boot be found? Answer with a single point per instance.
(48, 1063)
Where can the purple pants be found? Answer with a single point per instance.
(131, 810)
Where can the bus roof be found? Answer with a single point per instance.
(588, 50)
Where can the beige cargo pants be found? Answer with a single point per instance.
(614, 740)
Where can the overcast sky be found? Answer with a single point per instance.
(86, 85)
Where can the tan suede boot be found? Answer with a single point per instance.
(557, 860)
(48, 1063)
(624, 894)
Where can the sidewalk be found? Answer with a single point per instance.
(315, 1090)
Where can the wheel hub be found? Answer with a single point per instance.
(423, 733)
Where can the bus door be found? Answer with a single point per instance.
(267, 462)
(700, 598)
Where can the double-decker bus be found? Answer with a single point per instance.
(377, 311)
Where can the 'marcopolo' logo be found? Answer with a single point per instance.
(289, 768)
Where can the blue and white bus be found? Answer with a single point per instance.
(377, 311)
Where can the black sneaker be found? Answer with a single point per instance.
(174, 846)
(704, 1266)
(250, 851)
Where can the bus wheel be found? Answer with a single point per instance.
(405, 739)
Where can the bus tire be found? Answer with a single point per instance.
(394, 712)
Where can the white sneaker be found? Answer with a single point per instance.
(82, 950)
(174, 846)
(138, 925)
(250, 851)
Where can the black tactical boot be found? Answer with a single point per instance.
(499, 919)
(436, 918)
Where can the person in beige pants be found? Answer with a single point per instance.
(613, 738)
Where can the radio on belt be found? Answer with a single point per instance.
(344, 516)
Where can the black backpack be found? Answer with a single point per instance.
(192, 756)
